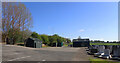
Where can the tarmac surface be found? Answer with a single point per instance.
(20, 53)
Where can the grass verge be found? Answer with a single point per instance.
(101, 61)
(104, 43)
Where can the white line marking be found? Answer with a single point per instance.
(19, 58)
(14, 53)
(43, 60)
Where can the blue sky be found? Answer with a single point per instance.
(94, 20)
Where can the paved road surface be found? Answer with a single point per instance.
(19, 53)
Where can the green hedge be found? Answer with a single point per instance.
(104, 43)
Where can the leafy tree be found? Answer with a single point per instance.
(52, 40)
(35, 35)
(68, 40)
(64, 39)
(39, 37)
(59, 39)
(45, 39)
(16, 18)
(14, 37)
(55, 35)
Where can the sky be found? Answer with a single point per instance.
(93, 20)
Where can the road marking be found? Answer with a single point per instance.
(43, 60)
(14, 53)
(19, 58)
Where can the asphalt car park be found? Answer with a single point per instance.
(20, 53)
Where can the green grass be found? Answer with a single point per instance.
(71, 43)
(101, 61)
(104, 43)
(19, 42)
(68, 44)
(65, 44)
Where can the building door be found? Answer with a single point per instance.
(34, 45)
(38, 45)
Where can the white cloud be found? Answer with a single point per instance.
(81, 30)
(98, 39)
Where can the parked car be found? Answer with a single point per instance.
(92, 51)
(99, 54)
(106, 56)
(87, 49)
(119, 58)
(115, 57)
(69, 45)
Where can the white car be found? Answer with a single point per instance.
(106, 56)
(98, 54)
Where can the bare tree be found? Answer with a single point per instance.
(16, 18)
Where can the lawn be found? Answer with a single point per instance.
(65, 44)
(68, 44)
(101, 61)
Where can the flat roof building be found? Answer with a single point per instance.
(81, 42)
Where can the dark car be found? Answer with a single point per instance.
(115, 57)
(70, 45)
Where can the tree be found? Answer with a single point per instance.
(59, 39)
(39, 37)
(52, 40)
(68, 40)
(27, 33)
(35, 35)
(64, 39)
(45, 39)
(16, 18)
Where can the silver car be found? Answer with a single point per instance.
(106, 56)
